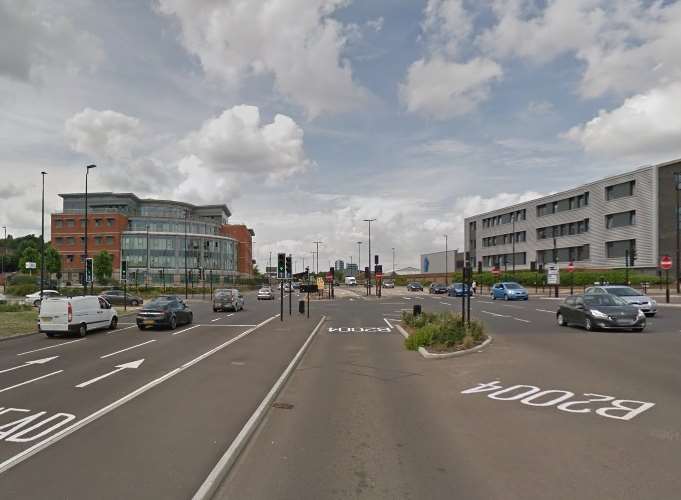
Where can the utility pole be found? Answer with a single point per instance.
(555, 258)
(393, 261)
(513, 241)
(42, 240)
(359, 256)
(186, 285)
(4, 251)
(318, 243)
(87, 171)
(677, 178)
(146, 280)
(446, 259)
(369, 284)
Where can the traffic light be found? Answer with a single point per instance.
(367, 275)
(307, 274)
(378, 269)
(289, 266)
(632, 256)
(281, 265)
(375, 260)
(124, 271)
(88, 270)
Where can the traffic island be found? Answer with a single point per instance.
(17, 320)
(442, 335)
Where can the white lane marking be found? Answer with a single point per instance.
(121, 329)
(486, 302)
(218, 472)
(230, 315)
(29, 381)
(29, 363)
(124, 366)
(216, 319)
(20, 457)
(187, 329)
(387, 322)
(495, 314)
(50, 347)
(230, 324)
(545, 311)
(523, 320)
(127, 349)
(445, 303)
(406, 298)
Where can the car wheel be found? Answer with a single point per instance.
(82, 330)
(36, 303)
(173, 323)
(561, 320)
(526, 298)
(506, 297)
(49, 334)
(140, 327)
(638, 330)
(114, 323)
(494, 297)
(651, 315)
(134, 303)
(215, 310)
(588, 326)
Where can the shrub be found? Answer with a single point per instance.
(22, 290)
(15, 307)
(444, 331)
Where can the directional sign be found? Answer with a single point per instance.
(29, 363)
(30, 265)
(132, 364)
(552, 274)
(666, 262)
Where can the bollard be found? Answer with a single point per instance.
(417, 310)
(301, 306)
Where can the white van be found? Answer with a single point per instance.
(77, 315)
(350, 281)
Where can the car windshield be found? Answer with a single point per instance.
(603, 300)
(223, 295)
(158, 304)
(624, 291)
(265, 290)
(513, 286)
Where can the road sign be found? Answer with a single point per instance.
(666, 262)
(496, 271)
(30, 265)
(570, 267)
(552, 274)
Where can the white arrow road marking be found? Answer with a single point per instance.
(127, 349)
(132, 364)
(29, 381)
(387, 322)
(495, 314)
(50, 347)
(28, 363)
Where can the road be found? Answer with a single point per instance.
(360, 417)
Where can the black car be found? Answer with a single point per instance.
(437, 288)
(160, 313)
(118, 297)
(600, 311)
(414, 287)
(459, 290)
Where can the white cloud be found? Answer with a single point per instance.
(646, 124)
(443, 89)
(447, 25)
(103, 134)
(376, 24)
(294, 41)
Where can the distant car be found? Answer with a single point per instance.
(160, 313)
(629, 295)
(118, 297)
(414, 287)
(75, 315)
(287, 287)
(437, 288)
(3, 298)
(296, 285)
(33, 299)
(350, 281)
(600, 311)
(508, 291)
(266, 294)
(228, 300)
(459, 290)
(388, 284)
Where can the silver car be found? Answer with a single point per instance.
(265, 294)
(630, 295)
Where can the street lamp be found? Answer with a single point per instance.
(318, 243)
(369, 284)
(513, 242)
(677, 179)
(393, 261)
(446, 263)
(186, 285)
(42, 238)
(87, 172)
(4, 251)
(359, 256)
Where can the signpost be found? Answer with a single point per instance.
(124, 279)
(553, 275)
(571, 270)
(496, 271)
(666, 264)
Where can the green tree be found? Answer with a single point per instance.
(28, 254)
(52, 259)
(103, 266)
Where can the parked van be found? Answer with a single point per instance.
(76, 315)
(350, 281)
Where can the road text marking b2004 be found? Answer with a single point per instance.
(619, 409)
(369, 329)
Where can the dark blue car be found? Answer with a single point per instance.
(459, 290)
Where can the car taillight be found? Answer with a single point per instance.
(69, 311)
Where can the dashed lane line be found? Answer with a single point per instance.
(496, 314)
(50, 347)
(545, 311)
(523, 320)
(186, 329)
(121, 329)
(29, 381)
(127, 349)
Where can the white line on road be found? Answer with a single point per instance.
(445, 303)
(121, 329)
(486, 302)
(29, 381)
(186, 329)
(406, 298)
(216, 319)
(226, 325)
(495, 314)
(387, 322)
(20, 457)
(124, 366)
(49, 347)
(127, 349)
(545, 311)
(523, 320)
(230, 315)
(29, 363)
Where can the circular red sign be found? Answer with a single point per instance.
(496, 271)
(666, 262)
(570, 267)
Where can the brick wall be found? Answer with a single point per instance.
(242, 235)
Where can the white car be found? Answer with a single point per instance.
(33, 299)
(630, 295)
(76, 315)
(3, 298)
(265, 294)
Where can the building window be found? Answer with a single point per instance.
(563, 205)
(82, 222)
(109, 240)
(70, 240)
(58, 223)
(110, 222)
(620, 219)
(70, 223)
(69, 259)
(618, 249)
(98, 240)
(59, 240)
(564, 254)
(621, 190)
(98, 222)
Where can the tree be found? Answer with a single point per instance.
(52, 259)
(28, 254)
(256, 271)
(103, 266)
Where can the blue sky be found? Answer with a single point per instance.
(307, 116)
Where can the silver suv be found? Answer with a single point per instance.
(630, 295)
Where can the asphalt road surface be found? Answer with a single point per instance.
(543, 412)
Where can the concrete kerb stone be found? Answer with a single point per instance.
(436, 355)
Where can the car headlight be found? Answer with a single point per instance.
(653, 302)
(598, 314)
(640, 314)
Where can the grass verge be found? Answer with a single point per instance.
(16, 323)
(441, 332)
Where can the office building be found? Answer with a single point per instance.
(339, 265)
(351, 269)
(594, 225)
(434, 262)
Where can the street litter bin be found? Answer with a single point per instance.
(417, 309)
(301, 306)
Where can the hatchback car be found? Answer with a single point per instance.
(459, 290)
(437, 288)
(414, 287)
(388, 284)
(266, 294)
(229, 299)
(600, 311)
(160, 313)
(119, 297)
(629, 295)
(509, 291)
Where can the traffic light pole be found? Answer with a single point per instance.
(281, 286)
(290, 292)
(125, 294)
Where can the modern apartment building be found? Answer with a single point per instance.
(593, 225)
(339, 265)
(158, 238)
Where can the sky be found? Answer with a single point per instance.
(308, 116)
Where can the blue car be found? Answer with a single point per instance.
(458, 290)
(509, 291)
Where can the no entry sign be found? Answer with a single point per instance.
(570, 267)
(496, 271)
(666, 262)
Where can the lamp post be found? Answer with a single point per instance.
(87, 172)
(42, 238)
(446, 263)
(677, 178)
(186, 285)
(513, 243)
(369, 284)
(317, 243)
(148, 264)
(393, 249)
(4, 251)
(359, 256)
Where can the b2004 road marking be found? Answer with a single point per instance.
(30, 427)
(619, 409)
(370, 329)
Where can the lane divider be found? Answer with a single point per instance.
(496, 314)
(127, 349)
(545, 311)
(186, 329)
(29, 381)
(50, 347)
(388, 323)
(120, 329)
